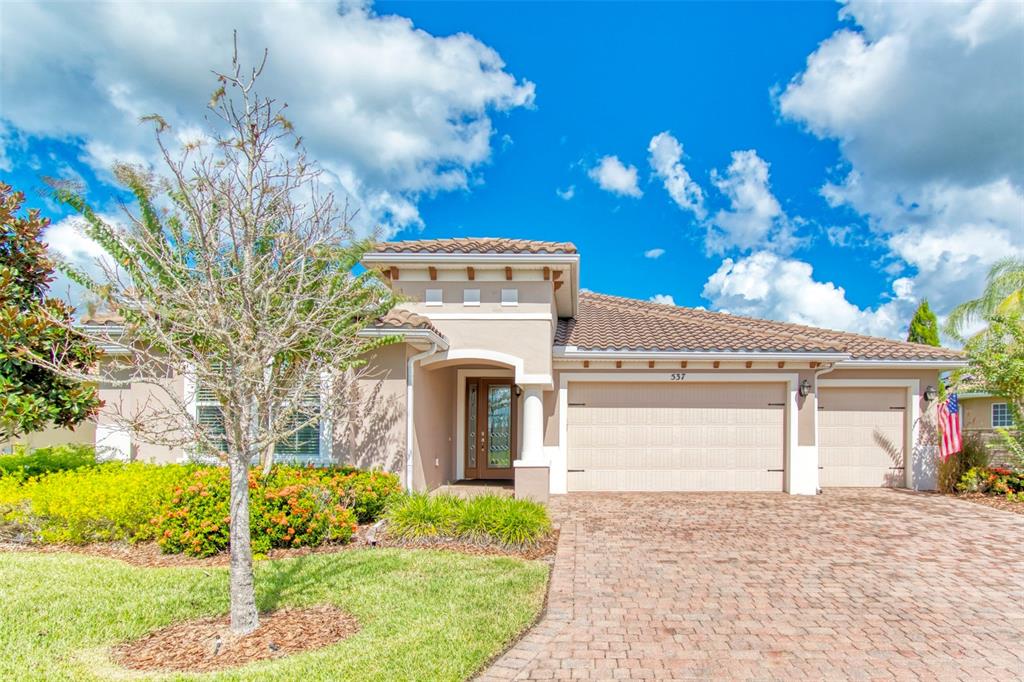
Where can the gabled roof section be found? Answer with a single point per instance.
(473, 245)
(611, 323)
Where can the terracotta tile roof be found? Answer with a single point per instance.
(613, 323)
(102, 317)
(475, 245)
(399, 318)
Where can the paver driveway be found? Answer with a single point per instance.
(852, 584)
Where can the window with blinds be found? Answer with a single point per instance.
(302, 447)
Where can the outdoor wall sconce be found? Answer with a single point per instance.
(931, 393)
(805, 388)
(519, 390)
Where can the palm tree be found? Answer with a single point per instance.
(1003, 294)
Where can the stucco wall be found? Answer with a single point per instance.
(84, 434)
(136, 400)
(434, 417)
(977, 413)
(529, 340)
(534, 297)
(371, 435)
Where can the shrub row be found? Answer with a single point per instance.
(974, 453)
(993, 481)
(24, 464)
(185, 507)
(292, 507)
(483, 520)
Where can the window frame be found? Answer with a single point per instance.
(468, 296)
(1009, 418)
(510, 297)
(427, 297)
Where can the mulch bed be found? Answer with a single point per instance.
(997, 501)
(207, 644)
(148, 555)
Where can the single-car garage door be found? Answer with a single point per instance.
(676, 436)
(861, 436)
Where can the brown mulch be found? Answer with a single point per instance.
(207, 644)
(148, 555)
(997, 501)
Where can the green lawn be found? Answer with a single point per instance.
(423, 615)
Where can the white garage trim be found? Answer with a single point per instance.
(915, 461)
(801, 476)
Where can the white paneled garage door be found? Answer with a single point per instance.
(676, 436)
(861, 436)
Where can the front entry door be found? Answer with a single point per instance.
(491, 427)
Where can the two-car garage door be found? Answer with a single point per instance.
(725, 436)
(676, 436)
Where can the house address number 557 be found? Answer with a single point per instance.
(677, 376)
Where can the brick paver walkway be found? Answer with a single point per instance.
(852, 584)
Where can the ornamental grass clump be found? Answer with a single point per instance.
(482, 520)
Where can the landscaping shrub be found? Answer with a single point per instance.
(950, 470)
(366, 492)
(110, 501)
(487, 519)
(24, 464)
(993, 481)
(292, 507)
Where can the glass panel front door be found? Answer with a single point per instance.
(490, 428)
(499, 426)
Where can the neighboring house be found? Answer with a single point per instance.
(982, 413)
(508, 370)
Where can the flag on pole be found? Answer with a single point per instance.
(951, 441)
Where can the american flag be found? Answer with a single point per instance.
(951, 441)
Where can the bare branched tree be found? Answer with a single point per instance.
(234, 276)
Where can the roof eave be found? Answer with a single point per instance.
(870, 363)
(572, 352)
(418, 338)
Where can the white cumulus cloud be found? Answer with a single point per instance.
(391, 111)
(567, 193)
(654, 253)
(663, 299)
(754, 217)
(613, 176)
(926, 102)
(770, 286)
(666, 159)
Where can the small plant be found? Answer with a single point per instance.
(24, 464)
(951, 470)
(992, 480)
(487, 519)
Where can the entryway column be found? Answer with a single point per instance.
(532, 470)
(533, 425)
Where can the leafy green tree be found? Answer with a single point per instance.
(997, 359)
(33, 397)
(924, 327)
(236, 272)
(1003, 295)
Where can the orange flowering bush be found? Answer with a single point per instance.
(292, 507)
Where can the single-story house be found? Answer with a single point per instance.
(509, 370)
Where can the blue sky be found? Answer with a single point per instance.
(831, 164)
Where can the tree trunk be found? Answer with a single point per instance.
(244, 617)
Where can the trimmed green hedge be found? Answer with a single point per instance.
(487, 519)
(185, 507)
(40, 461)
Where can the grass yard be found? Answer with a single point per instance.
(423, 614)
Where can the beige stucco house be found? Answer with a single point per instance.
(510, 371)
